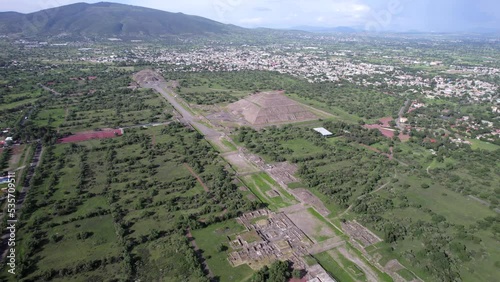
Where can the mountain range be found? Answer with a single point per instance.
(108, 19)
(104, 20)
(320, 29)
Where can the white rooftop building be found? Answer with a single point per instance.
(323, 131)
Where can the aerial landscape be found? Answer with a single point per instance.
(252, 141)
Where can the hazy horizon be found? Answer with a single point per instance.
(374, 15)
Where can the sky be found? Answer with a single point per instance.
(373, 15)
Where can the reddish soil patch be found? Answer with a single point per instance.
(372, 126)
(404, 137)
(197, 177)
(390, 156)
(386, 131)
(89, 135)
(17, 151)
(223, 212)
(297, 280)
(385, 121)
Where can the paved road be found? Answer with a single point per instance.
(401, 114)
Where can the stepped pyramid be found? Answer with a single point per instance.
(270, 107)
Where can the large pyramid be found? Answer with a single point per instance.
(269, 108)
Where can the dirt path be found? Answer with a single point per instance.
(34, 163)
(49, 89)
(327, 245)
(199, 254)
(16, 153)
(197, 177)
(378, 151)
(217, 141)
(390, 156)
(148, 124)
(401, 114)
(161, 87)
(361, 197)
(266, 197)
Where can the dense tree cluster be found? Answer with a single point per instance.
(106, 174)
(208, 98)
(5, 157)
(351, 98)
(340, 183)
(279, 271)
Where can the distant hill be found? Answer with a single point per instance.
(317, 29)
(108, 19)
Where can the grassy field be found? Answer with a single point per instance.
(229, 145)
(338, 271)
(455, 207)
(423, 204)
(335, 229)
(103, 102)
(52, 117)
(205, 92)
(302, 147)
(209, 239)
(336, 111)
(260, 184)
(22, 103)
(407, 275)
(426, 206)
(478, 144)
